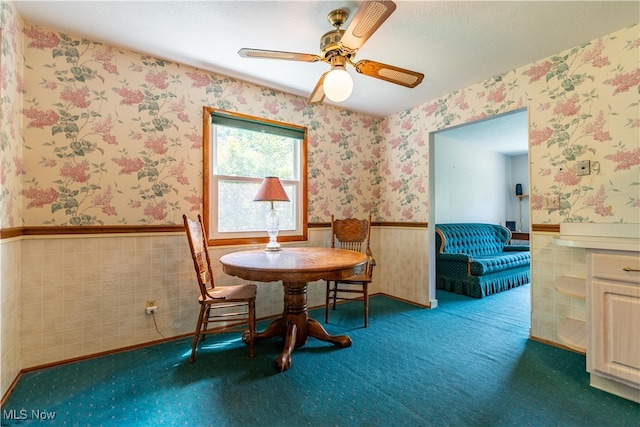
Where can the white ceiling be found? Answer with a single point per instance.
(507, 134)
(454, 44)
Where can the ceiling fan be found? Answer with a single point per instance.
(338, 48)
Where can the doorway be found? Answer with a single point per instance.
(473, 170)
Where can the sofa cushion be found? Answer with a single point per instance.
(472, 238)
(487, 264)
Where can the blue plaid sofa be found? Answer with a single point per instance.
(474, 259)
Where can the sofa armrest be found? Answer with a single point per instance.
(516, 248)
(460, 262)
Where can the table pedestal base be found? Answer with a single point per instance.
(295, 325)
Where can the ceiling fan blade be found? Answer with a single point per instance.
(317, 96)
(389, 73)
(277, 54)
(366, 21)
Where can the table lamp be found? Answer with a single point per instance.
(271, 190)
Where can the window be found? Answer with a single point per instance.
(239, 151)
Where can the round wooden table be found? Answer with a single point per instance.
(295, 267)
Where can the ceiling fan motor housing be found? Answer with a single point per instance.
(330, 43)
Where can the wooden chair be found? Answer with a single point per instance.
(351, 234)
(235, 304)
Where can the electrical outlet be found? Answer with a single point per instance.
(584, 167)
(551, 202)
(152, 306)
(152, 310)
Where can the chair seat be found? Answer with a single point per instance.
(358, 278)
(232, 293)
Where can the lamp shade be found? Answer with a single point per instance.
(337, 84)
(271, 190)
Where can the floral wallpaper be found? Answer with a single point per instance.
(11, 92)
(583, 105)
(114, 137)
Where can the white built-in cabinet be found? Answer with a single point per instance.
(610, 335)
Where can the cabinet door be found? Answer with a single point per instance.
(615, 347)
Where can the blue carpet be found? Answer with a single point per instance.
(467, 363)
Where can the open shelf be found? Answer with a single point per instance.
(573, 333)
(572, 286)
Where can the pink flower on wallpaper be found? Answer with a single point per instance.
(50, 85)
(79, 98)
(395, 143)
(367, 207)
(3, 173)
(298, 104)
(536, 72)
(476, 117)
(429, 109)
(20, 84)
(177, 170)
(313, 188)
(595, 129)
(104, 128)
(135, 204)
(272, 106)
(335, 183)
(159, 80)
(366, 164)
(538, 136)
(498, 95)
(105, 57)
(347, 125)
(77, 173)
(195, 139)
(104, 200)
(195, 202)
(129, 97)
(568, 108)
(198, 79)
(568, 176)
(536, 201)
(635, 124)
(395, 185)
(39, 118)
(3, 78)
(178, 108)
(347, 169)
(595, 56)
(127, 165)
(407, 124)
(156, 211)
(18, 163)
(157, 145)
(460, 102)
(596, 201)
(377, 152)
(625, 159)
(49, 163)
(40, 197)
(407, 168)
(313, 140)
(407, 213)
(377, 193)
(366, 122)
(41, 40)
(335, 137)
(625, 81)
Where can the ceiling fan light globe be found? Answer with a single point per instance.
(337, 85)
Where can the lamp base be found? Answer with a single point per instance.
(273, 247)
